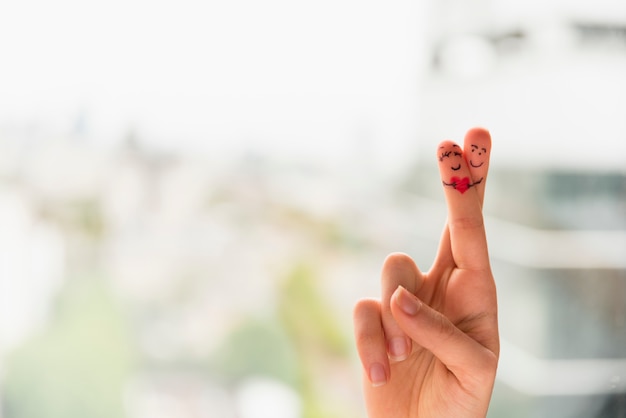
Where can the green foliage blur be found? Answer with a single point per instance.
(78, 365)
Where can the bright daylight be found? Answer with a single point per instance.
(194, 195)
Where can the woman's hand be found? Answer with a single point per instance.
(430, 346)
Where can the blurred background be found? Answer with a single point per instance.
(194, 194)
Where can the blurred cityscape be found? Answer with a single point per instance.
(145, 281)
(181, 286)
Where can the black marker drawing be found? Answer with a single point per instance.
(461, 184)
(480, 151)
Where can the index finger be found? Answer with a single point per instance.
(465, 219)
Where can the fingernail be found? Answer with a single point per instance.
(378, 377)
(407, 302)
(398, 348)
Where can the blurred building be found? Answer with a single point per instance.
(212, 279)
(548, 83)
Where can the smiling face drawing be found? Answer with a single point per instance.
(478, 155)
(452, 156)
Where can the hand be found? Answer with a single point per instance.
(430, 346)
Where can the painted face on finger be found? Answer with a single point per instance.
(478, 155)
(452, 156)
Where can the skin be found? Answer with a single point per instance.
(451, 157)
(478, 152)
(430, 346)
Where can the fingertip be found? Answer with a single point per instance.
(399, 269)
(398, 348)
(407, 302)
(444, 147)
(477, 140)
(478, 132)
(401, 264)
(377, 375)
(397, 257)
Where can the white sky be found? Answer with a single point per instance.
(313, 78)
(286, 72)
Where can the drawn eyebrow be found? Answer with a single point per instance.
(475, 147)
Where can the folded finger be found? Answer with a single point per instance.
(370, 341)
(462, 355)
(398, 270)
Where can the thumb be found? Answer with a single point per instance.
(462, 355)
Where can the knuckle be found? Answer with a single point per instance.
(443, 328)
